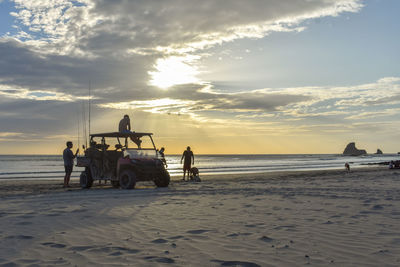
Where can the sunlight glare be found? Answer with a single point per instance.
(173, 71)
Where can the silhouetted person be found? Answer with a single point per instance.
(68, 157)
(391, 165)
(187, 164)
(347, 166)
(161, 152)
(125, 127)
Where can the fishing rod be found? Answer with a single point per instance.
(84, 122)
(89, 104)
(78, 130)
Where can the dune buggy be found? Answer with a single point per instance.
(109, 157)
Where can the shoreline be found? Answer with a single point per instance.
(34, 186)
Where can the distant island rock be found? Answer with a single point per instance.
(378, 151)
(351, 150)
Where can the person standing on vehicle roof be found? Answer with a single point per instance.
(68, 157)
(125, 127)
(189, 157)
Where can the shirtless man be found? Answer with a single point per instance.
(189, 157)
(125, 127)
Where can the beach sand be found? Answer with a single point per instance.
(319, 218)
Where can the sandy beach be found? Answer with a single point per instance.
(317, 218)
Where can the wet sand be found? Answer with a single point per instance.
(318, 218)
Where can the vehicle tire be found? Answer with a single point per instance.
(115, 184)
(162, 180)
(127, 179)
(85, 180)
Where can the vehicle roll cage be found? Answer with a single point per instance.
(123, 136)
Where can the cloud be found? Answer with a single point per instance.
(93, 27)
(184, 99)
(374, 114)
(122, 46)
(9, 134)
(287, 103)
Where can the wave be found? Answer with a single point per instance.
(51, 166)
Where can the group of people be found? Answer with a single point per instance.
(125, 127)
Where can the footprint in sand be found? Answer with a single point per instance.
(113, 251)
(81, 248)
(79, 211)
(159, 241)
(176, 237)
(53, 214)
(285, 227)
(24, 223)
(197, 232)
(20, 237)
(159, 259)
(122, 250)
(238, 234)
(266, 239)
(28, 261)
(53, 245)
(26, 216)
(236, 263)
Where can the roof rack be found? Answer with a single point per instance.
(118, 134)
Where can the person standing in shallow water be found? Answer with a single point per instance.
(68, 157)
(187, 164)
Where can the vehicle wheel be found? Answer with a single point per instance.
(162, 179)
(85, 180)
(115, 184)
(127, 179)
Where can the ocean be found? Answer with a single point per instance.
(51, 166)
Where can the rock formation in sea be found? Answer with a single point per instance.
(351, 150)
(378, 151)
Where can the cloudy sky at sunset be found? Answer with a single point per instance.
(223, 76)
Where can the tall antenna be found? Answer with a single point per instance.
(78, 129)
(89, 105)
(84, 122)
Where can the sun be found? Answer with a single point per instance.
(173, 71)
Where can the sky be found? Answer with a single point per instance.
(224, 77)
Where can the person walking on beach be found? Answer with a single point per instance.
(189, 157)
(125, 127)
(68, 157)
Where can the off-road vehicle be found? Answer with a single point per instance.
(122, 165)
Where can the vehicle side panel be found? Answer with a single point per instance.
(145, 169)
